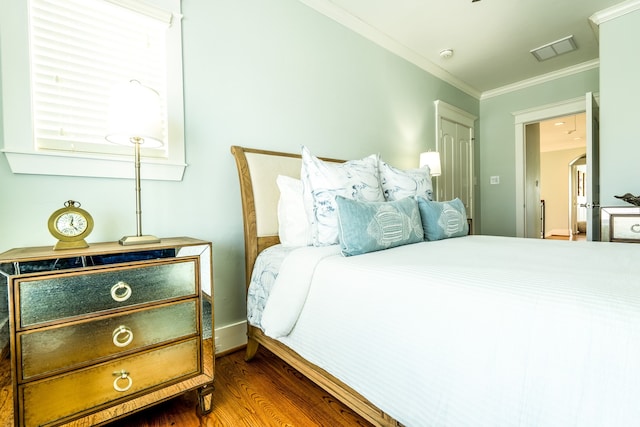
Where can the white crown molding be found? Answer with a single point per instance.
(595, 63)
(614, 12)
(353, 23)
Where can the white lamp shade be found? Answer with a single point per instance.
(431, 159)
(134, 115)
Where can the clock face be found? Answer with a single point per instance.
(71, 224)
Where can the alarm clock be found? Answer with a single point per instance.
(70, 225)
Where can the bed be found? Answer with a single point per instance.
(471, 330)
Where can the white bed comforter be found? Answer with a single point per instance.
(474, 331)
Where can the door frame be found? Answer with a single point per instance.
(522, 118)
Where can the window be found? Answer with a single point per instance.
(77, 50)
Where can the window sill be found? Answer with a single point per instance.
(85, 165)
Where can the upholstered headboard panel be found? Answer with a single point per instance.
(258, 170)
(264, 169)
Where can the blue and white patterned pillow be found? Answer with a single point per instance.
(442, 220)
(323, 181)
(373, 226)
(398, 184)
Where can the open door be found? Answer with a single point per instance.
(593, 168)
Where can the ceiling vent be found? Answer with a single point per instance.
(555, 48)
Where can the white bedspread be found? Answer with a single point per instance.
(473, 331)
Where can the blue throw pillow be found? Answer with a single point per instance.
(373, 226)
(442, 220)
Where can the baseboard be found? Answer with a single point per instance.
(559, 232)
(231, 336)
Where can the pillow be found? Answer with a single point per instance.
(398, 184)
(323, 181)
(373, 226)
(442, 220)
(293, 225)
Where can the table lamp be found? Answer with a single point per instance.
(431, 159)
(135, 119)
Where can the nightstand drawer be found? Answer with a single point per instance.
(625, 227)
(59, 397)
(80, 344)
(55, 297)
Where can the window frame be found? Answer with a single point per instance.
(17, 117)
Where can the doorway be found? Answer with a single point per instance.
(578, 198)
(522, 119)
(550, 146)
(561, 141)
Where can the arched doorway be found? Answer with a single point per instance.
(578, 197)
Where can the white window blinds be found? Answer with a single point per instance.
(79, 50)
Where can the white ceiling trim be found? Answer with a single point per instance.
(353, 23)
(382, 39)
(541, 79)
(614, 12)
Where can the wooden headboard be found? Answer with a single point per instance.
(258, 170)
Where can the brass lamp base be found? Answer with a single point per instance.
(138, 240)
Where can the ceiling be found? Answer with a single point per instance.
(491, 39)
(563, 133)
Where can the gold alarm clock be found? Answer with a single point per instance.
(70, 225)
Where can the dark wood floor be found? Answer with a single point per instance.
(264, 392)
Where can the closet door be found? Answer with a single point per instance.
(454, 129)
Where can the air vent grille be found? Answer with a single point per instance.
(558, 47)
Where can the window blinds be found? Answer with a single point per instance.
(79, 50)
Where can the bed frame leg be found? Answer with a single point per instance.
(252, 348)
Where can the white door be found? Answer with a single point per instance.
(593, 168)
(454, 130)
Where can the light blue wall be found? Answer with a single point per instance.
(620, 108)
(266, 74)
(497, 144)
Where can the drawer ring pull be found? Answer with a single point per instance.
(117, 294)
(122, 336)
(635, 228)
(122, 375)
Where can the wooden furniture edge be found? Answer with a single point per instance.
(248, 211)
(203, 381)
(325, 380)
(254, 244)
(25, 254)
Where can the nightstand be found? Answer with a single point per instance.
(104, 331)
(620, 224)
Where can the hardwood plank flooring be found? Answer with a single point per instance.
(264, 392)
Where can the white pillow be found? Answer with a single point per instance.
(398, 184)
(293, 224)
(323, 181)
